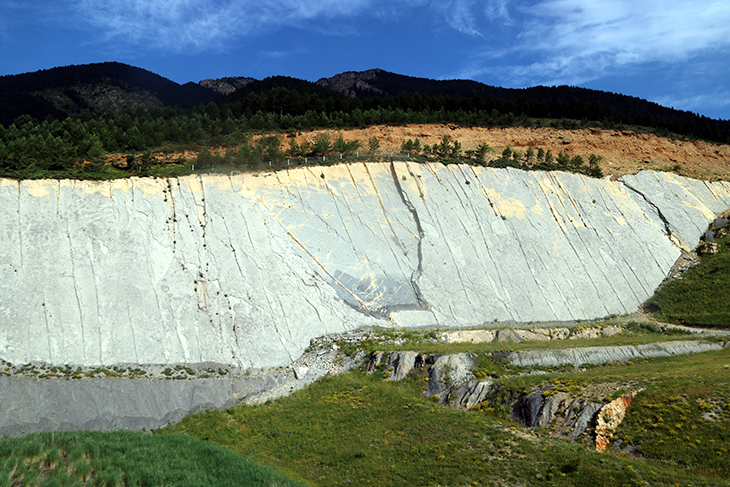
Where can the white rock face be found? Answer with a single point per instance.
(246, 269)
(155, 271)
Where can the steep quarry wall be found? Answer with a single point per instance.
(246, 269)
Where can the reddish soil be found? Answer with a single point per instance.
(622, 152)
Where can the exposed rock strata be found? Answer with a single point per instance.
(610, 417)
(535, 334)
(245, 270)
(450, 380)
(29, 404)
(602, 355)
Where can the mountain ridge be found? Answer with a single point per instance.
(118, 88)
(100, 88)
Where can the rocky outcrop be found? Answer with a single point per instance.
(246, 269)
(610, 417)
(446, 372)
(354, 83)
(470, 393)
(226, 86)
(449, 379)
(398, 365)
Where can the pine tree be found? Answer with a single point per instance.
(374, 144)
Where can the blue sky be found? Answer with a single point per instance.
(673, 52)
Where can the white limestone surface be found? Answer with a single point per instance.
(462, 245)
(155, 271)
(686, 204)
(246, 269)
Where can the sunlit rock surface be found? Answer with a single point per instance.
(246, 269)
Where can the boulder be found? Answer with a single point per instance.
(399, 364)
(469, 394)
(584, 418)
(550, 407)
(531, 405)
(447, 371)
(719, 222)
(374, 362)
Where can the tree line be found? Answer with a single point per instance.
(286, 96)
(63, 148)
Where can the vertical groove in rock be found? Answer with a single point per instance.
(416, 275)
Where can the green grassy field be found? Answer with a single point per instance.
(124, 458)
(356, 429)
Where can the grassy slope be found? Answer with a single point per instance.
(356, 429)
(702, 296)
(359, 430)
(123, 458)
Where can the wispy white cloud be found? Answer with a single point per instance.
(202, 24)
(460, 15)
(513, 42)
(578, 40)
(497, 10)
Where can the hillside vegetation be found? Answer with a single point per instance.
(702, 296)
(113, 120)
(360, 430)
